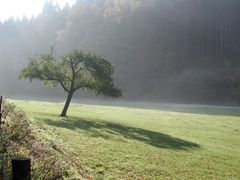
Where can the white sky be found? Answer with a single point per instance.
(29, 8)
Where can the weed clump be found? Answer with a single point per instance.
(18, 138)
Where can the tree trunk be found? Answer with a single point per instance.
(67, 103)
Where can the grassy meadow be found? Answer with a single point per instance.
(143, 141)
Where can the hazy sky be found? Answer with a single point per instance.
(29, 8)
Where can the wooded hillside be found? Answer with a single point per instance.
(180, 50)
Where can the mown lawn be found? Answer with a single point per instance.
(116, 142)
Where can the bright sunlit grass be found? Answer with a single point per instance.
(129, 143)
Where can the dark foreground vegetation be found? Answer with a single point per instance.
(20, 137)
(178, 50)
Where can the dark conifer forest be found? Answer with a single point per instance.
(167, 51)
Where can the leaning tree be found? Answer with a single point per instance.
(75, 70)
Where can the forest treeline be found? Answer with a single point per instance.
(178, 50)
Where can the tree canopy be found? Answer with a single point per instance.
(75, 70)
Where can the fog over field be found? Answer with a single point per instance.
(120, 89)
(179, 51)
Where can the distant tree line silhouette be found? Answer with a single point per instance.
(180, 50)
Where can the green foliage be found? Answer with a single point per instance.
(76, 70)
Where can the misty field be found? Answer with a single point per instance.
(142, 141)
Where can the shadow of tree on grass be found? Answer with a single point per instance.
(108, 129)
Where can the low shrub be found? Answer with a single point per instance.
(18, 139)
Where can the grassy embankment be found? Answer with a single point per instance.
(120, 142)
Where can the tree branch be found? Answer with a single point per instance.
(80, 69)
(63, 86)
(56, 79)
(61, 83)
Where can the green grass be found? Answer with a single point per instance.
(172, 142)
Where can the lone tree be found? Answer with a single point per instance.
(75, 70)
